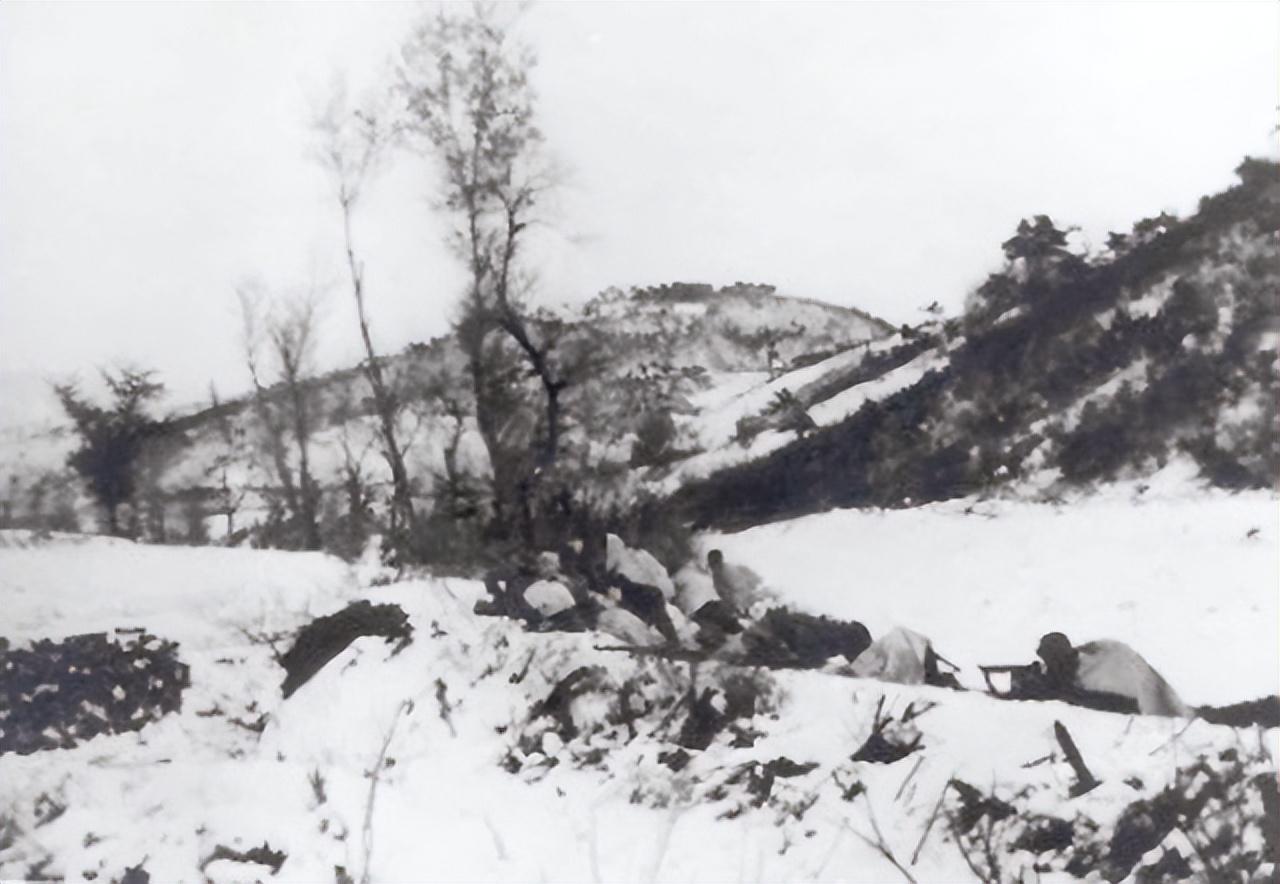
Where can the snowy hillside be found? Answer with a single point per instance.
(472, 784)
(746, 425)
(1067, 370)
(673, 348)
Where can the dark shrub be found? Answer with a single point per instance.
(57, 694)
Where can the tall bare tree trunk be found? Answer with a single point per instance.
(308, 498)
(403, 515)
(473, 341)
(465, 81)
(514, 324)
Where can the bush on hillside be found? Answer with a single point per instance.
(113, 438)
(655, 440)
(1217, 820)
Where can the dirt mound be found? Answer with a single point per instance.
(326, 637)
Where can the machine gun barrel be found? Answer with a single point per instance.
(1011, 670)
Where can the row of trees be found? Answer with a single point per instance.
(460, 101)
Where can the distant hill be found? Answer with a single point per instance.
(664, 348)
(737, 406)
(1065, 370)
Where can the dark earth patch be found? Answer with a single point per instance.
(57, 694)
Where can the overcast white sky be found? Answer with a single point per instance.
(151, 155)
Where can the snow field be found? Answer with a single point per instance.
(451, 705)
(1177, 577)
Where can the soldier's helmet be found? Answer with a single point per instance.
(1055, 647)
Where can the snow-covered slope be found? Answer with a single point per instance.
(677, 348)
(1188, 579)
(718, 430)
(471, 787)
(1065, 371)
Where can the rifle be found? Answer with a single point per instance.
(1018, 674)
(1030, 683)
(699, 655)
(665, 652)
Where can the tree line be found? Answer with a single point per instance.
(459, 102)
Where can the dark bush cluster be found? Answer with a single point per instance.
(57, 694)
(1226, 809)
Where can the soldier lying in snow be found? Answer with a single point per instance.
(628, 594)
(640, 585)
(903, 657)
(1104, 674)
(538, 594)
(506, 586)
(737, 585)
(792, 638)
(608, 585)
(697, 598)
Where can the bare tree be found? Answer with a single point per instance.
(350, 145)
(249, 296)
(229, 499)
(287, 329)
(464, 79)
(351, 530)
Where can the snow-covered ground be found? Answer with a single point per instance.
(1177, 577)
(1192, 581)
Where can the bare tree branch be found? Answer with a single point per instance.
(464, 79)
(350, 144)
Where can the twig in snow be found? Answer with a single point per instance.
(594, 848)
(835, 845)
(257, 726)
(518, 677)
(671, 713)
(316, 779)
(497, 838)
(919, 761)
(367, 828)
(875, 719)
(912, 712)
(1172, 739)
(266, 638)
(445, 708)
(879, 843)
(1128, 726)
(928, 827)
(664, 842)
